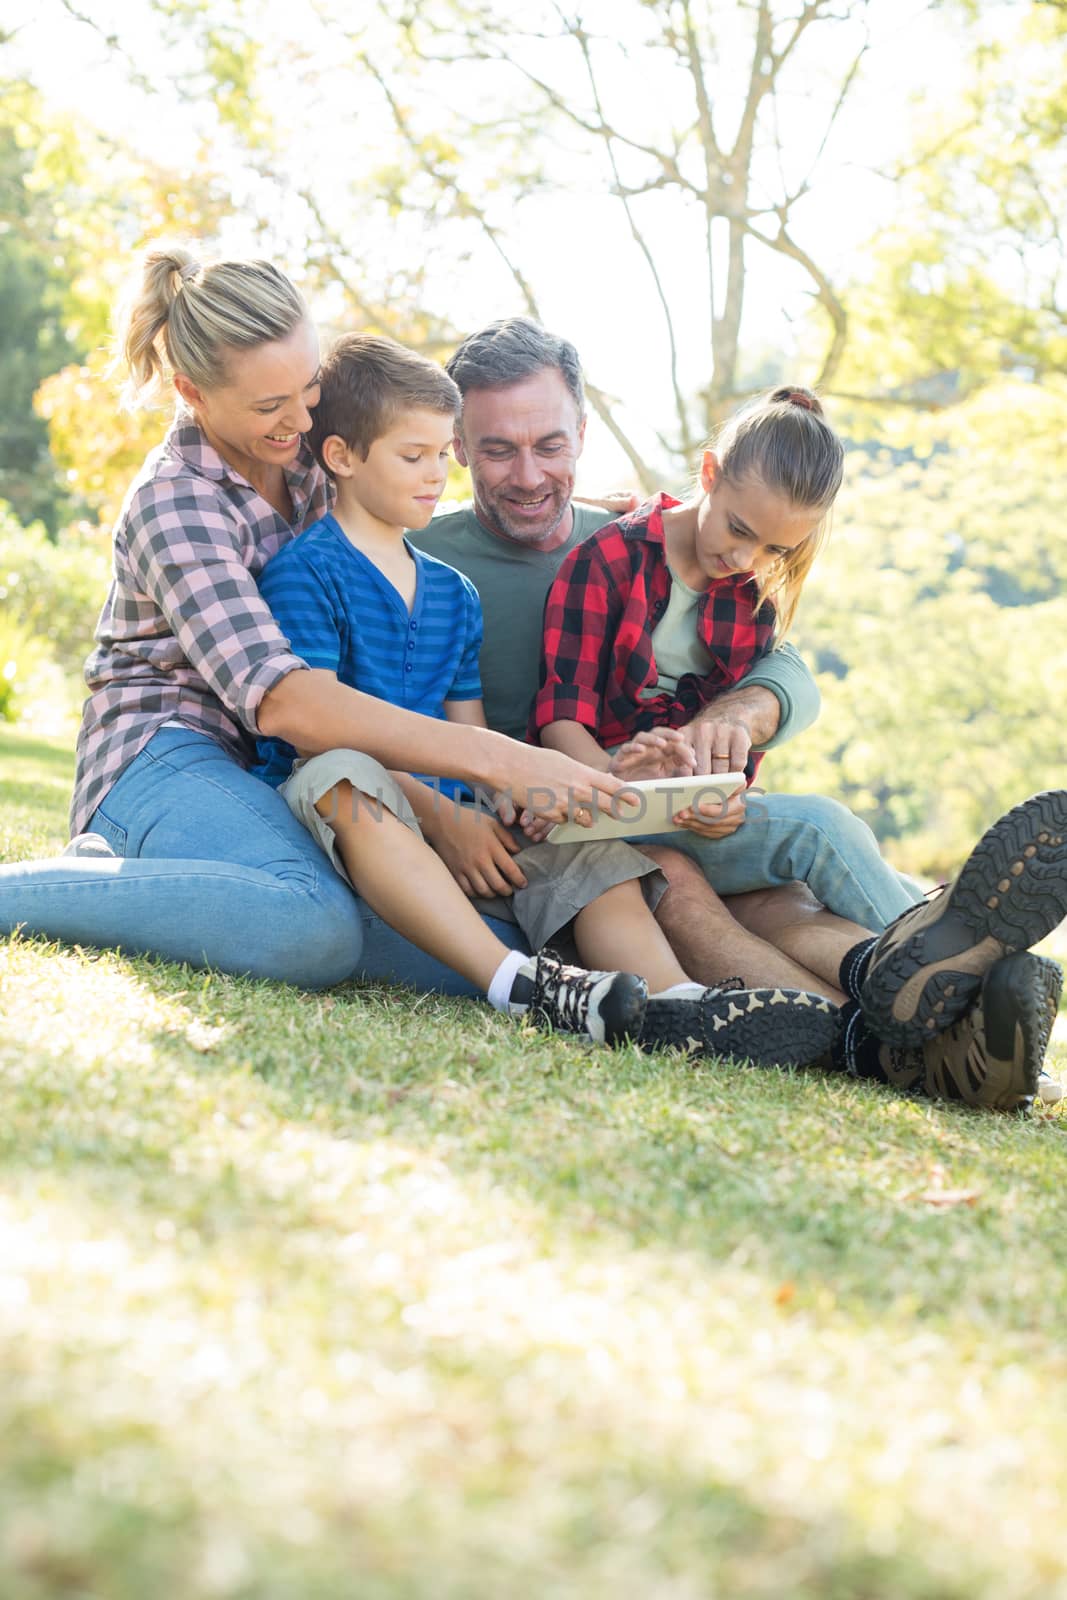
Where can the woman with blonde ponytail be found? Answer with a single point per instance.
(178, 850)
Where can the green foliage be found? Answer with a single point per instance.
(33, 339)
(97, 445)
(969, 280)
(937, 624)
(76, 210)
(53, 589)
(21, 654)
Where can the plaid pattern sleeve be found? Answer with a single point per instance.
(597, 656)
(581, 615)
(187, 553)
(184, 634)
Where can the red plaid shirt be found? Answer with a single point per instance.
(597, 654)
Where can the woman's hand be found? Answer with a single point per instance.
(715, 819)
(549, 784)
(656, 753)
(477, 850)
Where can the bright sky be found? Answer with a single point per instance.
(571, 241)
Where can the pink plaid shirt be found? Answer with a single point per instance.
(184, 634)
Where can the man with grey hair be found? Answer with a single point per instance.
(785, 863)
(521, 432)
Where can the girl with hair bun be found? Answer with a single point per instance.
(672, 604)
(178, 850)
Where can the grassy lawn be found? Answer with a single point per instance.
(374, 1297)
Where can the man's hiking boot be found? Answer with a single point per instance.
(927, 967)
(993, 1056)
(606, 1007)
(769, 1027)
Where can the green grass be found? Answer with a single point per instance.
(366, 1296)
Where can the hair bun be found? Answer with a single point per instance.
(804, 398)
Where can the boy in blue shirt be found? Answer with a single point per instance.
(355, 598)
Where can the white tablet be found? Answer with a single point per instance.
(648, 805)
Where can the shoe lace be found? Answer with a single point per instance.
(562, 992)
(930, 894)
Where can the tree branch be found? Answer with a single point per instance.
(783, 244)
(604, 405)
(599, 400)
(638, 237)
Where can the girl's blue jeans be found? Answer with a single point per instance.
(213, 869)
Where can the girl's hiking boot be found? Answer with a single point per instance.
(606, 1007)
(768, 1027)
(927, 967)
(993, 1056)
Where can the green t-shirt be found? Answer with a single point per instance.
(675, 640)
(513, 582)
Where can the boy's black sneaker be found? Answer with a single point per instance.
(606, 1007)
(927, 967)
(993, 1056)
(768, 1027)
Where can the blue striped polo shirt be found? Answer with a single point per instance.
(339, 612)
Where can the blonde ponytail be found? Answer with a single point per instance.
(179, 316)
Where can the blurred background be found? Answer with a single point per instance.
(707, 197)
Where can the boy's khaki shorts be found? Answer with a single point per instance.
(560, 879)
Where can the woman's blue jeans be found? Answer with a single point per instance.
(215, 870)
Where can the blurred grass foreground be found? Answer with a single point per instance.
(363, 1295)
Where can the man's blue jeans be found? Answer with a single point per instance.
(803, 838)
(215, 870)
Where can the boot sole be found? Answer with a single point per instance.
(1011, 893)
(1019, 1004)
(766, 1027)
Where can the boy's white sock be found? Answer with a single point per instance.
(680, 991)
(503, 979)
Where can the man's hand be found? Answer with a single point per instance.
(656, 753)
(725, 731)
(617, 501)
(715, 819)
(477, 850)
(720, 743)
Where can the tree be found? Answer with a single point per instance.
(461, 117)
(33, 341)
(936, 623)
(75, 207)
(556, 93)
(969, 282)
